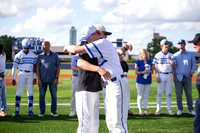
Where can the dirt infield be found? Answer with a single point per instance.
(9, 80)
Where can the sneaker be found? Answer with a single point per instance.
(141, 113)
(179, 112)
(157, 112)
(192, 112)
(16, 113)
(169, 112)
(71, 113)
(41, 115)
(54, 114)
(2, 113)
(30, 113)
(146, 113)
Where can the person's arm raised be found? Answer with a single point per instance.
(74, 49)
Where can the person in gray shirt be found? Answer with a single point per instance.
(48, 69)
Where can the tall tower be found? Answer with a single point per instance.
(72, 36)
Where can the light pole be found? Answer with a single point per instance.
(123, 3)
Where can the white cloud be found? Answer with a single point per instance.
(10, 8)
(3, 29)
(192, 25)
(19, 28)
(155, 11)
(98, 5)
(46, 20)
(168, 26)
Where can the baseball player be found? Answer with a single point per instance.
(24, 61)
(163, 70)
(116, 100)
(104, 34)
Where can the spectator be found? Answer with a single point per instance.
(196, 42)
(185, 67)
(3, 72)
(143, 69)
(74, 83)
(48, 69)
(125, 70)
(74, 88)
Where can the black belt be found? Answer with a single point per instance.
(25, 71)
(75, 75)
(115, 78)
(165, 72)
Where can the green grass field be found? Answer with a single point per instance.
(66, 124)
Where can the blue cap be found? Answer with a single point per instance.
(26, 43)
(164, 41)
(181, 41)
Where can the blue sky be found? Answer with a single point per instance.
(52, 19)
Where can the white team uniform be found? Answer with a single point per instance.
(165, 70)
(24, 62)
(117, 97)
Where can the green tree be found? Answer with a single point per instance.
(7, 42)
(154, 47)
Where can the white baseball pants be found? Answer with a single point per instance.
(87, 108)
(116, 102)
(23, 79)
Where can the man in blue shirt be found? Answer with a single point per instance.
(185, 67)
(74, 83)
(196, 42)
(48, 69)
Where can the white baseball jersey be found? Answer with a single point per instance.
(163, 62)
(107, 56)
(117, 91)
(25, 61)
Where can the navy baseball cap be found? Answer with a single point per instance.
(26, 43)
(181, 41)
(196, 39)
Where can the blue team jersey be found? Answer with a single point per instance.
(141, 67)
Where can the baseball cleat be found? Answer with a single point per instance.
(71, 113)
(16, 113)
(157, 112)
